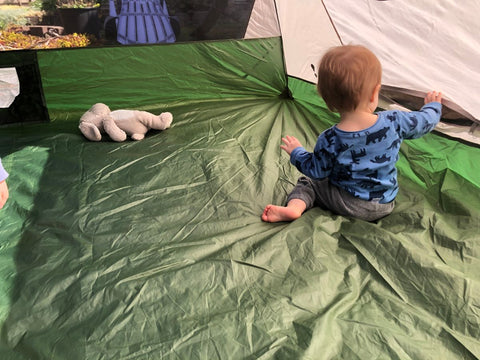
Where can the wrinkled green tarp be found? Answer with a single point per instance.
(155, 249)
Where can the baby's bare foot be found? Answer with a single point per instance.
(274, 213)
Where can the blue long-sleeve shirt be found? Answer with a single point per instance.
(363, 162)
(3, 173)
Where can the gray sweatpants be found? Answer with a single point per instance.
(330, 197)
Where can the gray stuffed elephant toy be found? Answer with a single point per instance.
(119, 124)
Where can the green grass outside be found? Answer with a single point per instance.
(16, 15)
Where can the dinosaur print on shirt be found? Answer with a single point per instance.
(377, 136)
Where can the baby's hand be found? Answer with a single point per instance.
(3, 193)
(433, 96)
(290, 143)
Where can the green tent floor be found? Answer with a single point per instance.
(156, 250)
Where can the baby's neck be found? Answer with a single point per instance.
(356, 120)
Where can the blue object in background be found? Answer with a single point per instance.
(142, 22)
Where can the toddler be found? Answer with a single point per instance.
(352, 168)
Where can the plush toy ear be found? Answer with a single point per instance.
(91, 121)
(90, 131)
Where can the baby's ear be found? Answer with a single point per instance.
(376, 92)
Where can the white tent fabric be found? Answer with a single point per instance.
(306, 32)
(9, 86)
(422, 46)
(261, 25)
